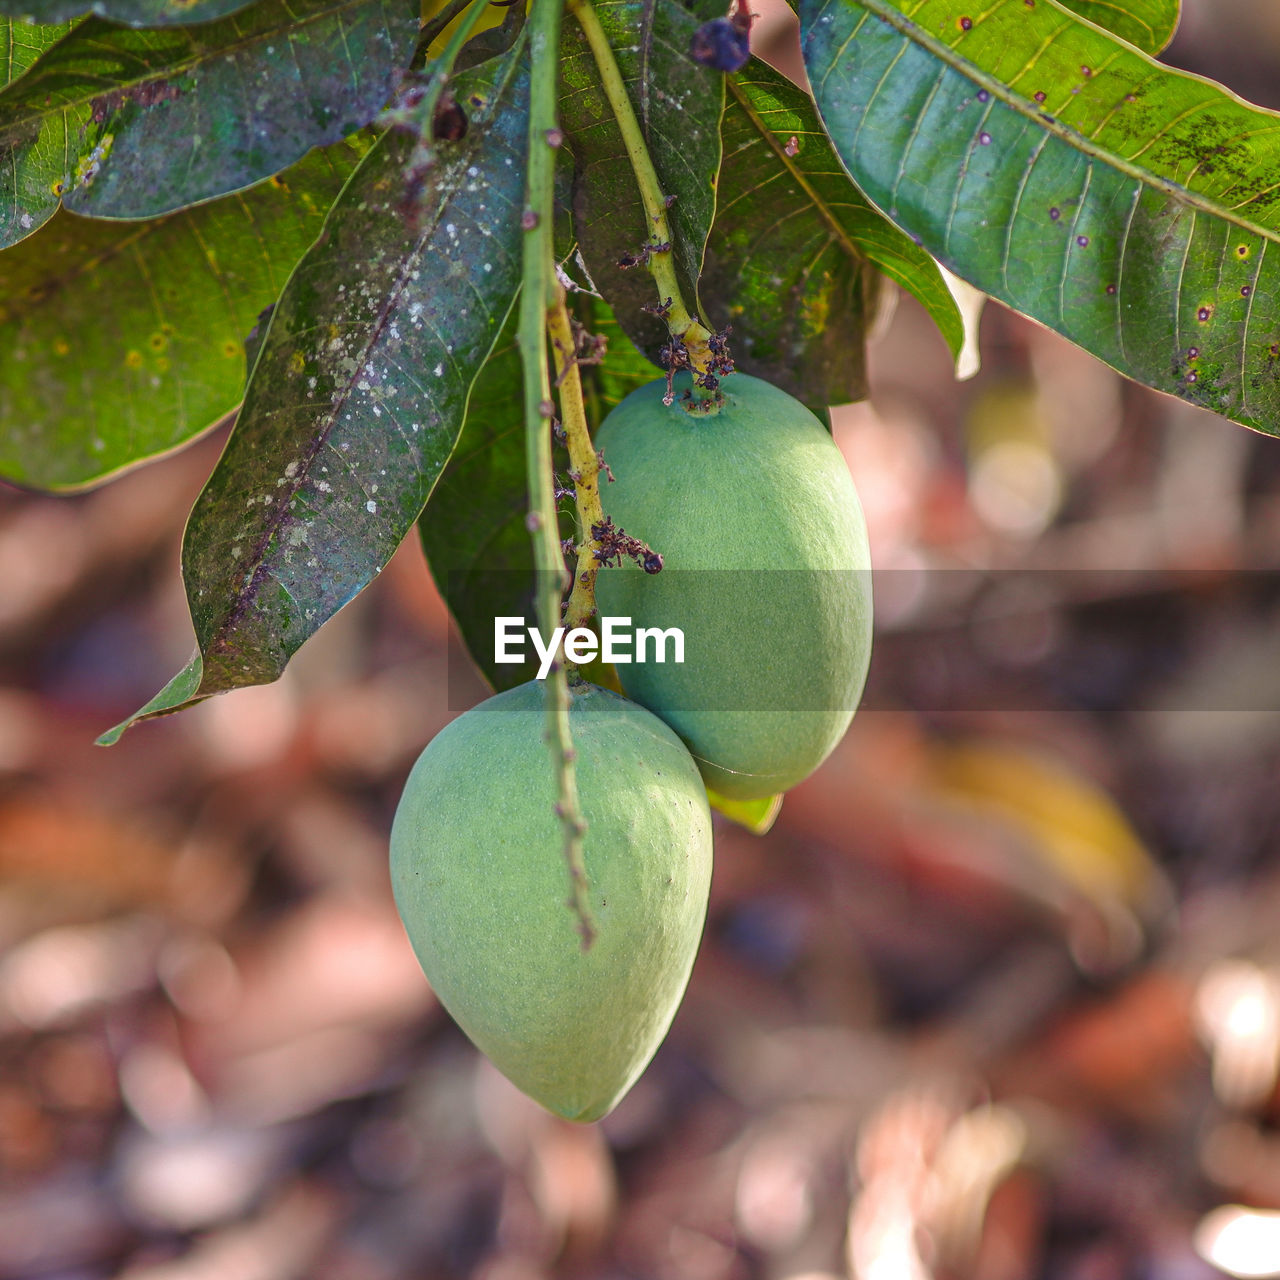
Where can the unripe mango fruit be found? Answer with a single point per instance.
(766, 571)
(481, 883)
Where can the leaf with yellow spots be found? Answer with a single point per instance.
(1072, 177)
(122, 340)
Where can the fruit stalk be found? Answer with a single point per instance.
(536, 297)
(681, 323)
(584, 464)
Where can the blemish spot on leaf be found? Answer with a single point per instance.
(157, 342)
(983, 96)
(1039, 95)
(133, 359)
(1086, 72)
(1204, 313)
(1245, 290)
(984, 138)
(88, 167)
(1055, 213)
(1242, 251)
(230, 350)
(966, 24)
(1082, 241)
(1193, 353)
(1111, 289)
(146, 94)
(61, 347)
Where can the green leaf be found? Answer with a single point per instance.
(175, 695)
(1148, 24)
(1129, 207)
(359, 392)
(623, 369)
(678, 104)
(473, 530)
(133, 13)
(758, 816)
(787, 261)
(122, 340)
(122, 123)
(21, 43)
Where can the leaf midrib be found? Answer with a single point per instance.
(788, 163)
(1051, 124)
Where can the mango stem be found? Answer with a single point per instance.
(584, 464)
(536, 297)
(681, 323)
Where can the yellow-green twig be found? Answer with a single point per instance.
(584, 463)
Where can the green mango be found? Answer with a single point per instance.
(481, 884)
(766, 572)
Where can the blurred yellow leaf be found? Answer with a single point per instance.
(1074, 824)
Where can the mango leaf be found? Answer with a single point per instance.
(121, 123)
(132, 13)
(473, 530)
(623, 369)
(1148, 24)
(358, 394)
(678, 104)
(1129, 207)
(787, 260)
(758, 816)
(121, 340)
(21, 43)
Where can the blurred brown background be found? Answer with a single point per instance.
(997, 998)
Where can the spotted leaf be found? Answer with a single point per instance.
(1129, 207)
(122, 340)
(132, 13)
(359, 392)
(122, 123)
